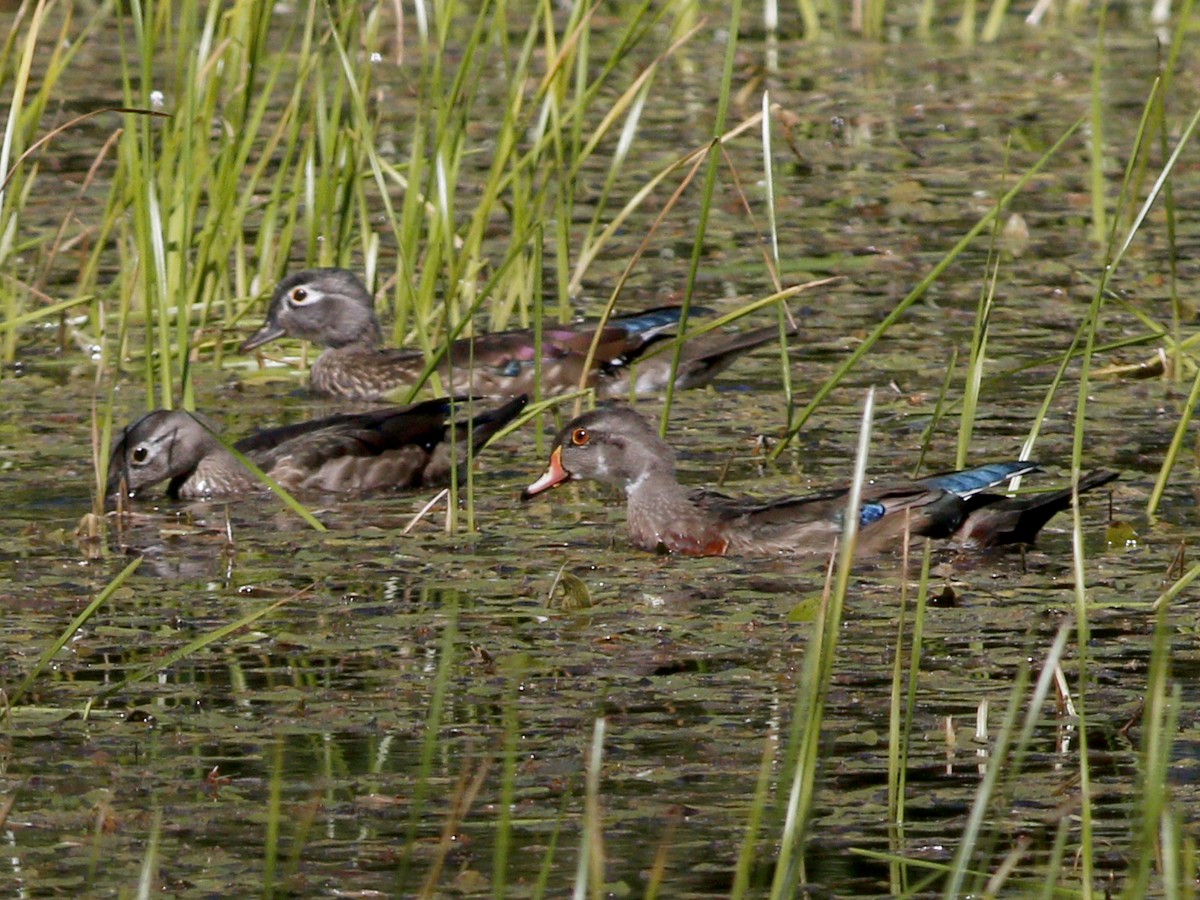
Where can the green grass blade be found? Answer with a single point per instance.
(192, 647)
(430, 743)
(917, 292)
(589, 870)
(1096, 140)
(275, 487)
(1174, 448)
(274, 817)
(706, 197)
(815, 680)
(76, 623)
(148, 886)
(749, 851)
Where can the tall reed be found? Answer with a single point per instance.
(800, 767)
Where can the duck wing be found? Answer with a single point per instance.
(388, 448)
(936, 507)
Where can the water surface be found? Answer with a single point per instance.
(896, 151)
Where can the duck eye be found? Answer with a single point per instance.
(580, 436)
(140, 454)
(299, 295)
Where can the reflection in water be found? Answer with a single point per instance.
(399, 666)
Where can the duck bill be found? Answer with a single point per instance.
(264, 335)
(554, 475)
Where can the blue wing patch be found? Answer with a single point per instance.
(870, 512)
(972, 481)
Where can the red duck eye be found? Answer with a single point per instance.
(580, 436)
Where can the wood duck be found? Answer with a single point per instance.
(703, 359)
(617, 446)
(400, 447)
(332, 308)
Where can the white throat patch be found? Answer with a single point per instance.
(632, 486)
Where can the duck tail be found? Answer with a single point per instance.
(485, 425)
(1017, 520)
(703, 360)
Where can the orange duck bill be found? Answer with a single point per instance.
(554, 475)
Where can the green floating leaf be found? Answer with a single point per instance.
(806, 610)
(868, 738)
(1121, 534)
(570, 592)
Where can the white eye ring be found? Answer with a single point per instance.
(140, 454)
(303, 296)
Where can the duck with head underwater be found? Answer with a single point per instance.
(617, 446)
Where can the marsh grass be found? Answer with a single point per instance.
(508, 776)
(274, 820)
(265, 159)
(18, 160)
(978, 851)
(1114, 252)
(978, 353)
(980, 865)
(430, 744)
(147, 885)
(589, 865)
(904, 684)
(978, 848)
(257, 160)
(706, 195)
(918, 291)
(1159, 835)
(800, 764)
(871, 18)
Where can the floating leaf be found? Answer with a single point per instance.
(1121, 534)
(806, 610)
(570, 592)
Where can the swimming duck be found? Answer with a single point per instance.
(703, 359)
(617, 446)
(332, 308)
(400, 447)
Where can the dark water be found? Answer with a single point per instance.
(693, 664)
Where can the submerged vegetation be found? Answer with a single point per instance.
(503, 165)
